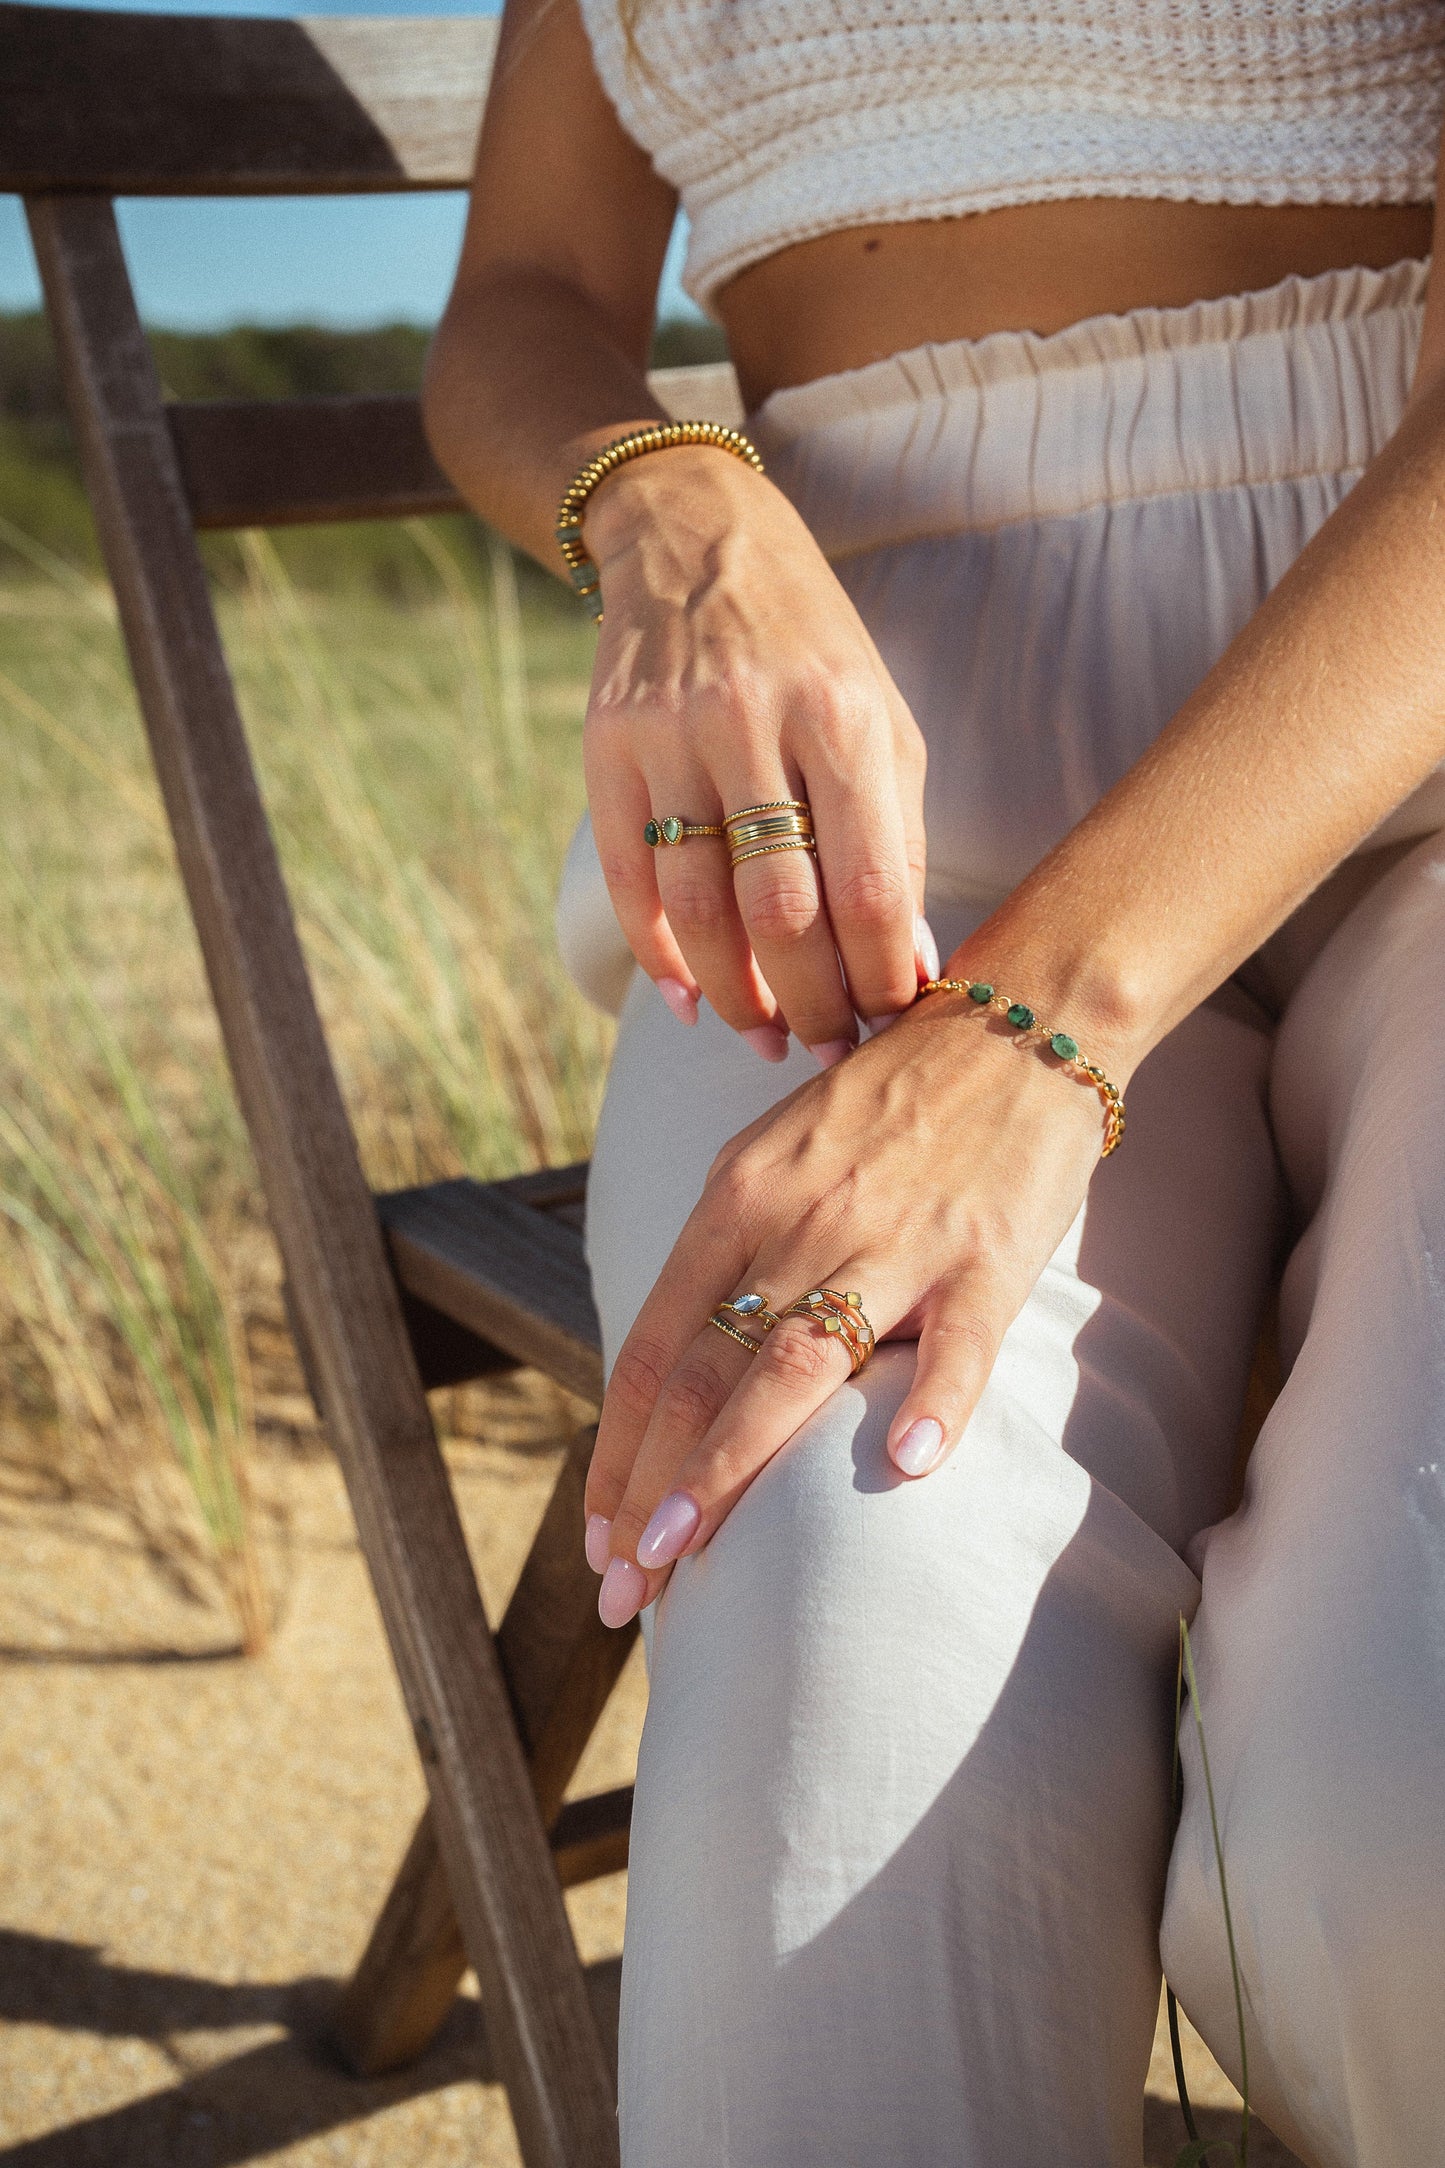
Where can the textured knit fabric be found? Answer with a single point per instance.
(902, 1836)
(777, 120)
(1053, 539)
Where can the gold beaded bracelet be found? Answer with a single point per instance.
(1024, 1021)
(660, 437)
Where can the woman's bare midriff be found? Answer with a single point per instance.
(854, 296)
(864, 292)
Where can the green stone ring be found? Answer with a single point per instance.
(673, 829)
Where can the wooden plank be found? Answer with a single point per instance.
(144, 105)
(391, 2008)
(284, 462)
(498, 1865)
(559, 1660)
(281, 462)
(590, 1838)
(513, 1275)
(560, 1664)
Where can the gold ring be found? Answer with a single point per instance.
(766, 850)
(759, 830)
(674, 829)
(743, 1339)
(741, 831)
(752, 1305)
(774, 805)
(841, 1314)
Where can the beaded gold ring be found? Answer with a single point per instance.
(583, 573)
(744, 1339)
(1060, 1043)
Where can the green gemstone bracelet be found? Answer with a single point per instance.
(1024, 1021)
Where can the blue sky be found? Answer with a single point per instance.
(342, 260)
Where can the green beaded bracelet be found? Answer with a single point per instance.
(1023, 1019)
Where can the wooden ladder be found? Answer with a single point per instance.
(388, 1295)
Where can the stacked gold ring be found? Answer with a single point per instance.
(841, 1314)
(785, 824)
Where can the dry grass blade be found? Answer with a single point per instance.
(422, 769)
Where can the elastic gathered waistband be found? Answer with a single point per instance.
(1307, 377)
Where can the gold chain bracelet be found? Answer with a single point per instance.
(660, 437)
(1024, 1021)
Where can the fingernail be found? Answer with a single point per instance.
(669, 1532)
(682, 1004)
(597, 1542)
(926, 947)
(880, 1023)
(829, 1051)
(919, 1447)
(621, 1595)
(767, 1040)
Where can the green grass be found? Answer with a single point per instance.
(421, 762)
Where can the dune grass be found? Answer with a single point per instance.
(421, 765)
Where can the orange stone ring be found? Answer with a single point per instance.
(841, 1314)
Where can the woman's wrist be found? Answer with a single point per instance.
(1066, 974)
(696, 489)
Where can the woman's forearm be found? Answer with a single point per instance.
(525, 379)
(1321, 716)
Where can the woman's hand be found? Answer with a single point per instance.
(934, 1172)
(733, 671)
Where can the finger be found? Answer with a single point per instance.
(781, 901)
(868, 883)
(795, 1371)
(710, 1254)
(963, 1329)
(617, 797)
(910, 768)
(695, 885)
(656, 1522)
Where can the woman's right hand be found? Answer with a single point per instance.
(733, 670)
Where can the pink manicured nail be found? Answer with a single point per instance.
(597, 1542)
(624, 1587)
(829, 1051)
(767, 1040)
(926, 947)
(919, 1447)
(682, 1004)
(880, 1023)
(669, 1532)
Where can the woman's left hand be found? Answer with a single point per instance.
(934, 1172)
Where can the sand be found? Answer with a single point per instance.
(193, 1845)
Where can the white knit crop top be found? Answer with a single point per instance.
(777, 120)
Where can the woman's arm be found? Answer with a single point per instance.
(937, 1173)
(1322, 716)
(731, 669)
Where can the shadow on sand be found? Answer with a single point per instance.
(245, 2107)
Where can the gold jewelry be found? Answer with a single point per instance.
(744, 1339)
(841, 1314)
(752, 1305)
(1024, 1021)
(766, 850)
(758, 830)
(774, 805)
(659, 437)
(672, 828)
